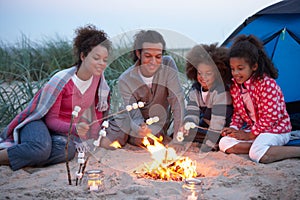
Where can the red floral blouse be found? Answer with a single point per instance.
(269, 106)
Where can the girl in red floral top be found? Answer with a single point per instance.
(260, 124)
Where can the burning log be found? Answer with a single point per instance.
(166, 164)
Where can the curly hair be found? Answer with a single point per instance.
(87, 38)
(208, 54)
(252, 50)
(143, 36)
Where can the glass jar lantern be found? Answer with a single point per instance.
(94, 180)
(192, 188)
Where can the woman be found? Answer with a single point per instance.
(38, 135)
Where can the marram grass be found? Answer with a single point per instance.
(26, 66)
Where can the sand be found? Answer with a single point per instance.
(225, 177)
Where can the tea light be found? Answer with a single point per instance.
(95, 180)
(192, 188)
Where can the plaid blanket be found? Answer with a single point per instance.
(42, 102)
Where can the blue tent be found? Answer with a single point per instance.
(278, 26)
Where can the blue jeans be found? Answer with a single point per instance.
(38, 147)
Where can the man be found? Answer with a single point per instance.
(153, 79)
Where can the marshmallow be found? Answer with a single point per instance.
(75, 114)
(179, 136)
(187, 126)
(129, 108)
(155, 119)
(77, 109)
(102, 133)
(135, 105)
(192, 125)
(81, 154)
(97, 142)
(79, 175)
(105, 124)
(141, 104)
(149, 121)
(80, 160)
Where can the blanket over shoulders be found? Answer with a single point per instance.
(43, 100)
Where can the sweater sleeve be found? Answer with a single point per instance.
(135, 118)
(221, 110)
(270, 108)
(176, 95)
(236, 120)
(193, 107)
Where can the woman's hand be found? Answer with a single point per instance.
(82, 128)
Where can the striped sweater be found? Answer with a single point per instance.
(215, 113)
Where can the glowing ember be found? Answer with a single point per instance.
(115, 144)
(166, 164)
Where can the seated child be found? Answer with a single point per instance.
(209, 102)
(260, 123)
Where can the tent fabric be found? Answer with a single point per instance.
(278, 26)
(283, 7)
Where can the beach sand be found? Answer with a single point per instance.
(224, 177)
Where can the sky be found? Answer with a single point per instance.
(182, 23)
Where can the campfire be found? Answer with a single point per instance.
(166, 165)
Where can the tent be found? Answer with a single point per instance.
(278, 26)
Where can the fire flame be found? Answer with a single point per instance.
(167, 165)
(115, 144)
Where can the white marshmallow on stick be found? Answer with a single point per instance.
(76, 111)
(79, 175)
(75, 114)
(129, 108)
(189, 125)
(179, 136)
(102, 133)
(135, 105)
(149, 121)
(141, 104)
(155, 119)
(105, 124)
(77, 108)
(81, 154)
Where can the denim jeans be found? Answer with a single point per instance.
(38, 147)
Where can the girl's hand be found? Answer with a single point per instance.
(183, 130)
(82, 128)
(241, 135)
(226, 131)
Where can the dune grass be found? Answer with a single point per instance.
(26, 66)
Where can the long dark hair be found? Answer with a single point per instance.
(252, 50)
